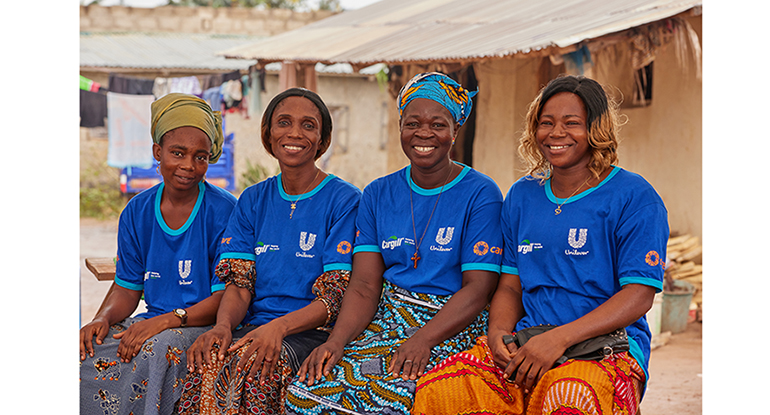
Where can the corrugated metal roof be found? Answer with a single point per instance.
(160, 50)
(395, 31)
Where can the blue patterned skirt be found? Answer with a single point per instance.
(359, 383)
(150, 384)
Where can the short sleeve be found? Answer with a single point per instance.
(641, 246)
(338, 252)
(237, 241)
(130, 267)
(483, 239)
(366, 225)
(509, 229)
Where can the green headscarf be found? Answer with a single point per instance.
(183, 110)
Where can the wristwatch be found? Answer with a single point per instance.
(182, 314)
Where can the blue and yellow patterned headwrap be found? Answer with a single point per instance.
(440, 88)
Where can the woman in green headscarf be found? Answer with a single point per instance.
(167, 241)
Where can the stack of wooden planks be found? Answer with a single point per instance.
(685, 262)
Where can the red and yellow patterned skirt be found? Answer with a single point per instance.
(471, 383)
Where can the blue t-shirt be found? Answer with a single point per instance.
(606, 237)
(290, 254)
(175, 268)
(463, 234)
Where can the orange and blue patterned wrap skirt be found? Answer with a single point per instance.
(360, 383)
(471, 383)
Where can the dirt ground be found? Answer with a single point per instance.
(675, 385)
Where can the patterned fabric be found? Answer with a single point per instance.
(359, 383)
(236, 271)
(110, 387)
(221, 389)
(440, 88)
(471, 383)
(329, 288)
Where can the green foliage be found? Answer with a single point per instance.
(331, 5)
(101, 201)
(382, 78)
(254, 174)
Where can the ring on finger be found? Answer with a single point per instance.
(407, 361)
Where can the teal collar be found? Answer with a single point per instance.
(559, 201)
(293, 198)
(432, 192)
(159, 216)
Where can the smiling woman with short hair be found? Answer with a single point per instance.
(285, 257)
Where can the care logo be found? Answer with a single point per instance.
(185, 266)
(653, 259)
(481, 248)
(526, 246)
(344, 247)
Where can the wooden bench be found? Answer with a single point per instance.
(102, 268)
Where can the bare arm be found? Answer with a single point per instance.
(358, 308)
(118, 304)
(505, 310)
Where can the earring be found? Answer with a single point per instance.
(157, 168)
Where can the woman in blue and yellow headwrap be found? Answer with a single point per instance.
(167, 241)
(430, 233)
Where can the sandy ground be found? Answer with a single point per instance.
(675, 385)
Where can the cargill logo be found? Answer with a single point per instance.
(527, 246)
(262, 247)
(392, 242)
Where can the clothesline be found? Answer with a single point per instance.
(228, 92)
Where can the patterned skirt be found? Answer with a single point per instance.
(471, 383)
(359, 383)
(150, 384)
(221, 389)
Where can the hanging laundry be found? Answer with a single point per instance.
(93, 109)
(216, 80)
(232, 92)
(129, 85)
(578, 62)
(128, 129)
(185, 85)
(88, 85)
(214, 97)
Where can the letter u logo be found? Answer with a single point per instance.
(184, 268)
(306, 242)
(580, 241)
(447, 235)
